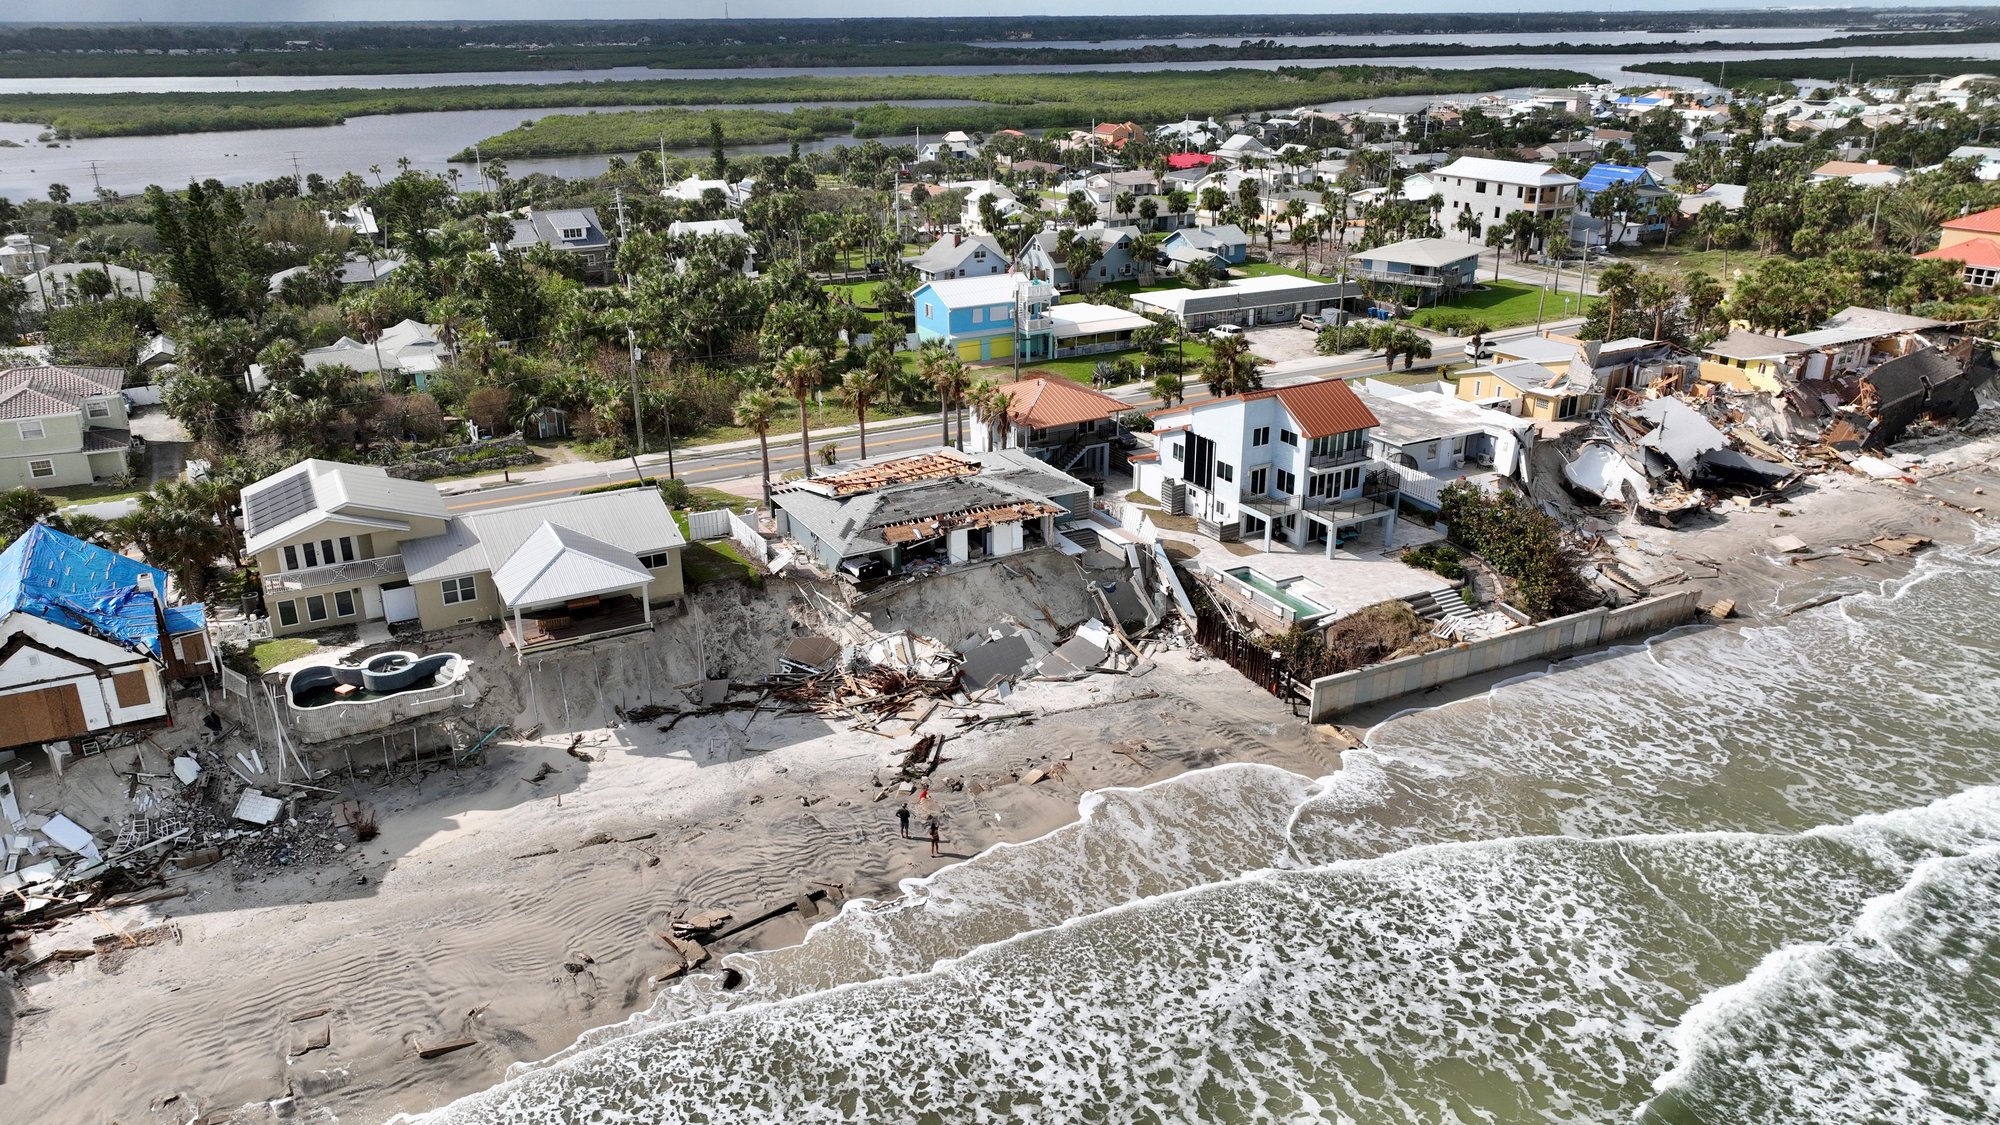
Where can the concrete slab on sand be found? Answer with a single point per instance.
(1354, 579)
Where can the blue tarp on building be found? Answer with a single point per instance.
(1602, 176)
(61, 579)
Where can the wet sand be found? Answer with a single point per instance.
(520, 914)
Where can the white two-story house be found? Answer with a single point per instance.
(1494, 189)
(1291, 465)
(62, 426)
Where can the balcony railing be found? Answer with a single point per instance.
(338, 574)
(1332, 508)
(1038, 324)
(1322, 462)
(1396, 277)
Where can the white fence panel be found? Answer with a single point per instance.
(236, 683)
(748, 539)
(708, 525)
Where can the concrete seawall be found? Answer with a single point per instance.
(1344, 691)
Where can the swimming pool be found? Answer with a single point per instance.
(1280, 592)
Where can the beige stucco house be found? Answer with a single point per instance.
(328, 539)
(554, 573)
(62, 426)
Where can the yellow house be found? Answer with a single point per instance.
(327, 538)
(1751, 361)
(555, 573)
(1550, 350)
(1527, 389)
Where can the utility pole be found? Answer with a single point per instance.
(638, 418)
(96, 185)
(298, 180)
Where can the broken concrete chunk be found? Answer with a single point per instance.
(1789, 544)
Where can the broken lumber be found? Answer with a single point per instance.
(442, 1047)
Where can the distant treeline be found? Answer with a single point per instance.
(432, 35)
(1017, 99)
(1870, 69)
(752, 55)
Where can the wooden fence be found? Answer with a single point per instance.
(1240, 650)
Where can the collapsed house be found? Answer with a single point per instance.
(88, 644)
(915, 513)
(1763, 410)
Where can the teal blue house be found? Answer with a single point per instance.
(982, 319)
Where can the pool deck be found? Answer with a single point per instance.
(1352, 579)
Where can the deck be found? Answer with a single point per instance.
(549, 629)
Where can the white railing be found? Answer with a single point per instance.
(749, 540)
(338, 574)
(236, 683)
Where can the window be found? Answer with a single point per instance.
(1347, 480)
(1288, 482)
(291, 558)
(1261, 436)
(1288, 437)
(97, 409)
(346, 548)
(459, 590)
(41, 468)
(316, 608)
(1225, 472)
(31, 430)
(1981, 277)
(1175, 450)
(572, 233)
(312, 554)
(1478, 388)
(1260, 480)
(656, 560)
(326, 551)
(927, 310)
(1479, 186)
(1496, 212)
(288, 613)
(1002, 314)
(343, 603)
(979, 316)
(1320, 487)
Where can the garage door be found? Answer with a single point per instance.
(400, 604)
(968, 350)
(42, 716)
(1003, 347)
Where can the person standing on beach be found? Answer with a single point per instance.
(934, 837)
(903, 818)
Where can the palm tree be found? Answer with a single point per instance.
(1411, 345)
(860, 388)
(1169, 389)
(1230, 368)
(801, 370)
(175, 529)
(990, 403)
(755, 410)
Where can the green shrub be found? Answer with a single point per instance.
(1521, 542)
(1436, 557)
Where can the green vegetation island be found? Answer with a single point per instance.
(1766, 76)
(1011, 101)
(300, 49)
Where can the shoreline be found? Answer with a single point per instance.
(523, 910)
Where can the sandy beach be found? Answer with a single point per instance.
(522, 900)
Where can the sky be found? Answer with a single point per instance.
(284, 11)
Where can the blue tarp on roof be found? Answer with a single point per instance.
(61, 579)
(1602, 176)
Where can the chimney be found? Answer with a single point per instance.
(957, 238)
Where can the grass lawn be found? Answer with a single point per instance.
(94, 493)
(1081, 368)
(1505, 304)
(1268, 269)
(715, 560)
(270, 654)
(860, 293)
(1686, 256)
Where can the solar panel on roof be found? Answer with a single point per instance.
(287, 498)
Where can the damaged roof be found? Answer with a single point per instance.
(1000, 486)
(63, 580)
(1740, 344)
(1680, 433)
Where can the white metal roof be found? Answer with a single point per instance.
(1434, 252)
(1505, 171)
(286, 504)
(634, 520)
(1081, 319)
(556, 564)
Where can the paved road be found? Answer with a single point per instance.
(707, 466)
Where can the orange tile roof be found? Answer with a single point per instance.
(1043, 401)
(1984, 222)
(1321, 409)
(1851, 168)
(1981, 252)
